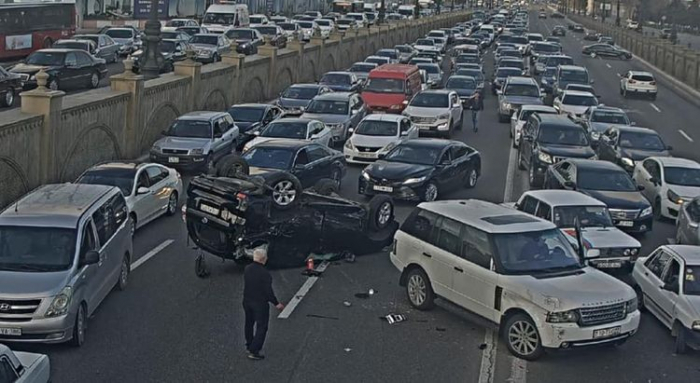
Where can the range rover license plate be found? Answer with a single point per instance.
(209, 209)
(606, 332)
(173, 160)
(11, 331)
(609, 265)
(387, 189)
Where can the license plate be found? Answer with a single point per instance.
(173, 160)
(11, 331)
(609, 265)
(387, 189)
(366, 155)
(209, 209)
(606, 332)
(378, 112)
(625, 223)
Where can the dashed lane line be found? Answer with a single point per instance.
(656, 108)
(151, 254)
(303, 290)
(684, 134)
(487, 371)
(518, 371)
(608, 65)
(510, 175)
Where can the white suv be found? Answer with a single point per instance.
(635, 82)
(515, 270)
(668, 285)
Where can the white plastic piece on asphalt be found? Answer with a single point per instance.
(608, 65)
(151, 254)
(684, 134)
(656, 108)
(487, 371)
(303, 290)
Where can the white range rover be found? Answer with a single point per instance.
(515, 270)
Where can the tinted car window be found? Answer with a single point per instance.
(420, 224)
(476, 247)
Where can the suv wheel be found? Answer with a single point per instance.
(172, 204)
(124, 274)
(419, 291)
(680, 346)
(431, 192)
(522, 338)
(381, 212)
(285, 189)
(79, 327)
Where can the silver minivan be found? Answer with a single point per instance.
(63, 248)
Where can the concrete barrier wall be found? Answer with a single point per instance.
(54, 137)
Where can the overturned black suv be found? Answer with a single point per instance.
(231, 213)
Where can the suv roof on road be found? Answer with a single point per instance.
(487, 216)
(334, 96)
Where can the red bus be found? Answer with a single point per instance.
(26, 27)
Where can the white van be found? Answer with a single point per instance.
(407, 11)
(491, 31)
(221, 17)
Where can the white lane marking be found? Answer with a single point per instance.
(656, 108)
(303, 290)
(684, 134)
(487, 371)
(510, 175)
(151, 254)
(518, 371)
(608, 65)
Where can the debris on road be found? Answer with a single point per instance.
(483, 346)
(441, 329)
(394, 318)
(322, 316)
(347, 304)
(347, 349)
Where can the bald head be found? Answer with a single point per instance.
(260, 256)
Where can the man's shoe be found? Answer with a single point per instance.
(255, 356)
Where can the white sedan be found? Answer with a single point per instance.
(668, 182)
(151, 190)
(376, 135)
(294, 129)
(517, 121)
(574, 102)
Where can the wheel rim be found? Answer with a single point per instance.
(81, 325)
(133, 224)
(472, 178)
(125, 272)
(531, 173)
(416, 289)
(431, 192)
(284, 193)
(53, 85)
(94, 80)
(172, 203)
(523, 337)
(384, 214)
(234, 170)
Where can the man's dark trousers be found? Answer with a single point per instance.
(257, 316)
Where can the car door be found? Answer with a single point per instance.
(222, 140)
(358, 110)
(323, 134)
(160, 190)
(302, 170)
(103, 218)
(649, 279)
(667, 298)
(144, 204)
(320, 162)
(463, 163)
(528, 141)
(544, 211)
(86, 67)
(456, 108)
(70, 74)
(89, 281)
(648, 174)
(445, 252)
(445, 171)
(557, 175)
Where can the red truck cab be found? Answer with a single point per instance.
(390, 87)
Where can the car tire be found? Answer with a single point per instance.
(285, 190)
(431, 192)
(326, 187)
(521, 165)
(94, 81)
(172, 204)
(472, 178)
(381, 212)
(522, 338)
(79, 327)
(232, 166)
(9, 97)
(337, 176)
(640, 298)
(656, 210)
(124, 271)
(419, 291)
(680, 346)
(534, 180)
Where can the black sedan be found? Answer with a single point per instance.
(422, 169)
(608, 183)
(591, 36)
(10, 84)
(606, 50)
(341, 81)
(464, 86)
(578, 28)
(625, 145)
(558, 31)
(67, 68)
(253, 117)
(172, 51)
(275, 33)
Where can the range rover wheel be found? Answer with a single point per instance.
(680, 346)
(472, 178)
(79, 327)
(124, 273)
(200, 267)
(381, 212)
(285, 190)
(172, 204)
(522, 338)
(9, 98)
(419, 291)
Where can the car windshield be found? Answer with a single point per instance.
(525, 114)
(523, 90)
(176, 23)
(429, 68)
(346, 22)
(203, 39)
(550, 72)
(545, 48)
(414, 155)
(536, 252)
(255, 19)
(461, 83)
(71, 45)
(120, 33)
(299, 93)
(269, 157)
(467, 59)
(691, 280)
(384, 85)
(267, 30)
(511, 64)
(506, 72)
(471, 73)
(680, 176)
(362, 68)
(377, 60)
(556, 61)
(639, 140)
(121, 178)
(610, 117)
(605, 180)
(238, 34)
(36, 249)
(573, 75)
(324, 23)
(555, 135)
(387, 53)
(46, 58)
(587, 216)
(167, 46)
(219, 18)
(328, 107)
(335, 79)
(425, 42)
(642, 77)
(287, 26)
(190, 128)
(431, 100)
(246, 114)
(377, 128)
(522, 40)
(578, 100)
(305, 24)
(286, 129)
(190, 30)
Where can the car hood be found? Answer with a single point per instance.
(573, 109)
(604, 237)
(27, 285)
(203, 46)
(182, 143)
(397, 171)
(685, 191)
(31, 69)
(619, 199)
(292, 102)
(339, 87)
(568, 151)
(327, 118)
(600, 127)
(259, 140)
(639, 154)
(522, 100)
(372, 141)
(416, 111)
(588, 288)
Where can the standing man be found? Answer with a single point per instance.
(477, 104)
(257, 295)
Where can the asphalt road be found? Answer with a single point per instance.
(172, 326)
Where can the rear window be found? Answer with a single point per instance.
(642, 77)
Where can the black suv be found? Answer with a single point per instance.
(548, 139)
(625, 145)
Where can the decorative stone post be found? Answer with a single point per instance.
(192, 69)
(269, 50)
(132, 83)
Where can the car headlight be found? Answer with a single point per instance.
(349, 145)
(595, 135)
(696, 325)
(627, 252)
(545, 157)
(156, 148)
(506, 105)
(627, 161)
(673, 197)
(387, 148)
(365, 175)
(61, 302)
(544, 81)
(634, 252)
(645, 212)
(415, 180)
(570, 316)
(443, 116)
(631, 305)
(246, 147)
(197, 152)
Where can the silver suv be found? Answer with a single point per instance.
(436, 112)
(62, 250)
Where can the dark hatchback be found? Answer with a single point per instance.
(341, 81)
(67, 68)
(608, 183)
(251, 118)
(548, 139)
(422, 169)
(171, 50)
(625, 145)
(298, 96)
(464, 86)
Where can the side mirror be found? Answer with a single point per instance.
(142, 190)
(256, 133)
(499, 92)
(669, 148)
(570, 184)
(91, 257)
(592, 253)
(640, 187)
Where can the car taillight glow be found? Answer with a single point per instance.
(652, 83)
